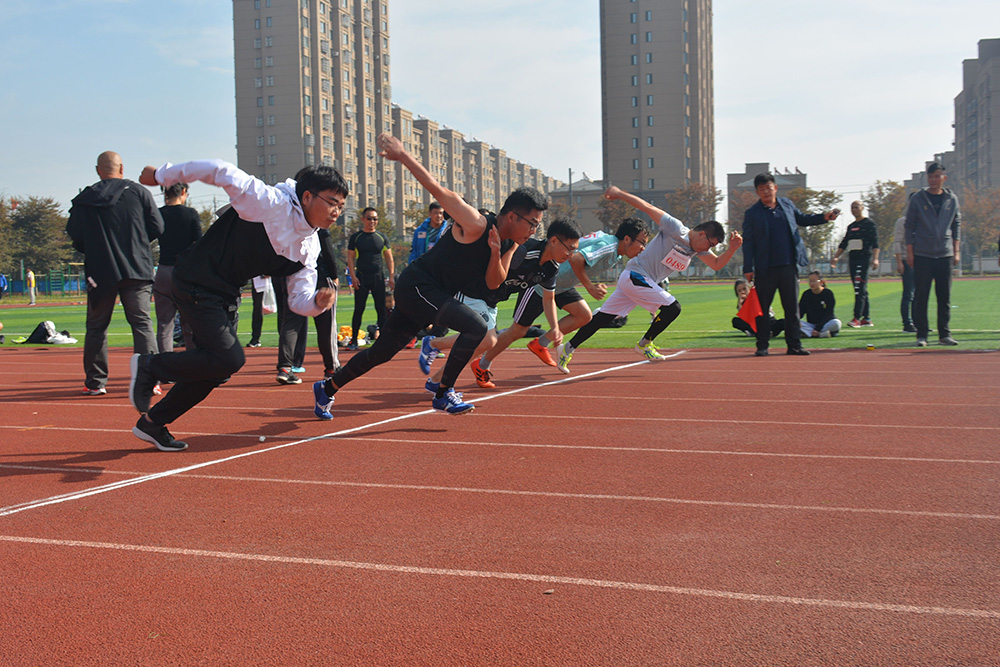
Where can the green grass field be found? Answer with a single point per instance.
(705, 321)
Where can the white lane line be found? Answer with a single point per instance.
(516, 576)
(114, 486)
(571, 496)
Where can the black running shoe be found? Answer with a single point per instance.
(286, 376)
(141, 384)
(158, 435)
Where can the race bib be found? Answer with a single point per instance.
(676, 260)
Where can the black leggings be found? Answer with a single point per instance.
(400, 329)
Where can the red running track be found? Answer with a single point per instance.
(713, 509)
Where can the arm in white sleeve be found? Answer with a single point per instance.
(302, 292)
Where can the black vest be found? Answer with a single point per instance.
(230, 253)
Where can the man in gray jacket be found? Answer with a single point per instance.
(113, 222)
(932, 249)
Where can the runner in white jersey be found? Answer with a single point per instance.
(598, 254)
(639, 284)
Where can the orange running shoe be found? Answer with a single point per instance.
(482, 376)
(541, 352)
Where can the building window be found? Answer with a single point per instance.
(259, 83)
(256, 63)
(260, 141)
(652, 184)
(256, 24)
(260, 160)
(256, 4)
(260, 101)
(635, 78)
(649, 100)
(635, 162)
(635, 181)
(649, 37)
(272, 140)
(649, 57)
(649, 141)
(268, 41)
(269, 61)
(649, 15)
(635, 140)
(256, 43)
(270, 100)
(260, 121)
(649, 121)
(272, 159)
(271, 120)
(633, 17)
(634, 38)
(649, 163)
(268, 21)
(633, 59)
(649, 78)
(635, 100)
(635, 121)
(269, 80)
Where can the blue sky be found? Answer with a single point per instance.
(850, 92)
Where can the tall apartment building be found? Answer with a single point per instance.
(312, 87)
(977, 120)
(657, 94)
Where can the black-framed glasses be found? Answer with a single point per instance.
(533, 224)
(570, 249)
(337, 206)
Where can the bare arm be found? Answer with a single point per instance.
(716, 262)
(496, 271)
(579, 266)
(349, 254)
(389, 266)
(469, 222)
(636, 202)
(552, 315)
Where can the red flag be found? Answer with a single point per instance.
(750, 310)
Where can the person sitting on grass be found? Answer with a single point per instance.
(816, 309)
(742, 289)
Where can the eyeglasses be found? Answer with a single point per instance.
(532, 224)
(570, 249)
(335, 205)
(368, 217)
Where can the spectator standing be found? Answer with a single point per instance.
(366, 250)
(181, 228)
(861, 243)
(932, 248)
(31, 287)
(772, 252)
(113, 223)
(905, 270)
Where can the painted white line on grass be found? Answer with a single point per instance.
(516, 576)
(114, 486)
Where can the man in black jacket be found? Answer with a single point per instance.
(113, 222)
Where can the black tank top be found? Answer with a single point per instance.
(452, 265)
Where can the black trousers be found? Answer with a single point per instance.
(925, 271)
(217, 352)
(374, 284)
(859, 262)
(785, 281)
(292, 329)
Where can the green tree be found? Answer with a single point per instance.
(561, 210)
(980, 221)
(37, 234)
(886, 202)
(739, 202)
(694, 203)
(816, 237)
(208, 217)
(612, 212)
(6, 239)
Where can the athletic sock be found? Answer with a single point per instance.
(484, 363)
(544, 341)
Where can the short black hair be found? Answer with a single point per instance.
(524, 200)
(175, 190)
(319, 178)
(434, 206)
(933, 167)
(713, 229)
(366, 209)
(739, 281)
(762, 178)
(632, 228)
(563, 228)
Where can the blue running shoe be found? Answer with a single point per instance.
(323, 402)
(427, 355)
(452, 403)
(298, 369)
